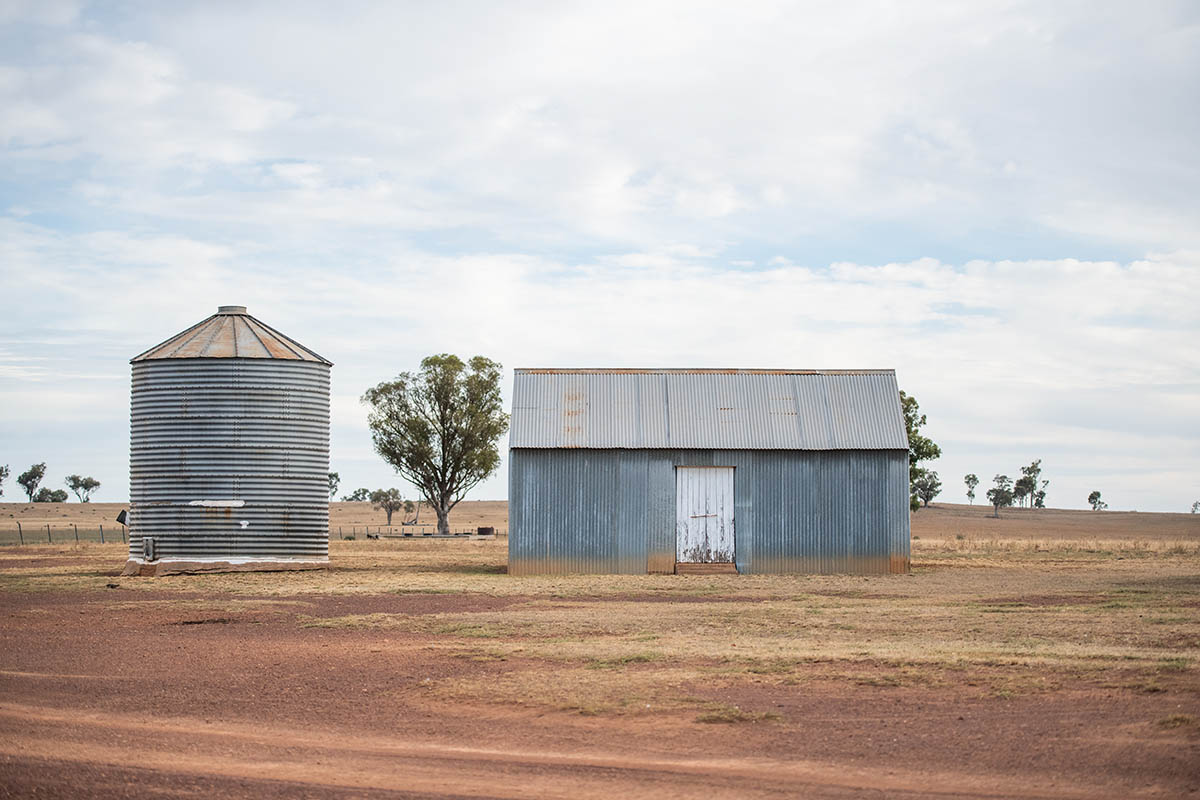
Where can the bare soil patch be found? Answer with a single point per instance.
(1035, 667)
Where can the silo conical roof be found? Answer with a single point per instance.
(231, 333)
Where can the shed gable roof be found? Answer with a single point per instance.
(707, 408)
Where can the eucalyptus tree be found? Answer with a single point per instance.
(971, 480)
(440, 427)
(82, 487)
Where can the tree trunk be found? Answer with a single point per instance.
(389, 513)
(443, 517)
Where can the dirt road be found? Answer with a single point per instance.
(134, 692)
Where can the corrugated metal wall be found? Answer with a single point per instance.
(613, 511)
(208, 430)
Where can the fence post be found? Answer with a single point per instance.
(48, 539)
(101, 534)
(20, 533)
(76, 527)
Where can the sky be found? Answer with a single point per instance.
(1000, 200)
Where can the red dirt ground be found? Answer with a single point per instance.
(130, 694)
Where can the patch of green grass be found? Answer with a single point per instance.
(728, 715)
(621, 661)
(1174, 665)
(771, 667)
(470, 630)
(1177, 721)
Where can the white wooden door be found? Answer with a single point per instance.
(704, 515)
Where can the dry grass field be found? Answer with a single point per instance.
(1042, 654)
(343, 517)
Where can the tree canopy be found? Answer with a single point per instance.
(30, 478)
(1026, 486)
(971, 480)
(927, 486)
(1095, 502)
(3, 477)
(45, 495)
(920, 447)
(389, 501)
(1000, 495)
(334, 481)
(440, 426)
(82, 487)
(360, 495)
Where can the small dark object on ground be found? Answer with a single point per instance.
(112, 586)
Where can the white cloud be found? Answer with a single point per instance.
(635, 124)
(630, 184)
(1084, 364)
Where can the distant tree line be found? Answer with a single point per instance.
(389, 501)
(1029, 489)
(31, 480)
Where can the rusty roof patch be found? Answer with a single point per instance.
(231, 333)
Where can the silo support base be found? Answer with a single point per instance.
(158, 568)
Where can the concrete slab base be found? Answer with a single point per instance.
(168, 567)
(722, 568)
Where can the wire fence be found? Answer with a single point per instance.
(67, 533)
(411, 532)
(71, 533)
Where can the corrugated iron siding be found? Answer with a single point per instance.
(817, 410)
(613, 511)
(255, 430)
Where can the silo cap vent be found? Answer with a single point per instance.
(231, 309)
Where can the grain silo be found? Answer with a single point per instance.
(707, 471)
(229, 451)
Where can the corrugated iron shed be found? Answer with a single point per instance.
(819, 462)
(709, 408)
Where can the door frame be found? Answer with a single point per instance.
(732, 508)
